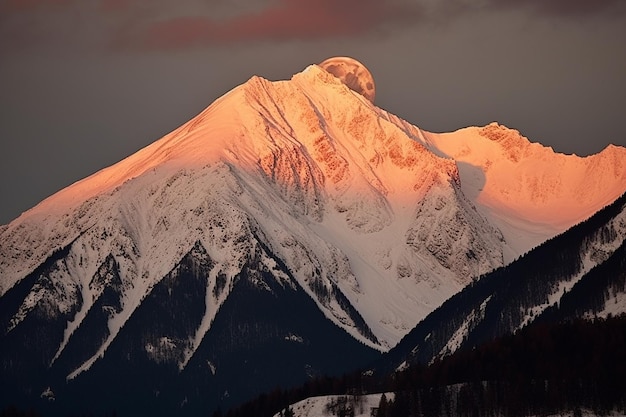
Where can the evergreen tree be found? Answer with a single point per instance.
(383, 407)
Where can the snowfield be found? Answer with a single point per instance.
(323, 405)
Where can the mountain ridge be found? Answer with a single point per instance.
(528, 185)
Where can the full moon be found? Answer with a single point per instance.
(353, 74)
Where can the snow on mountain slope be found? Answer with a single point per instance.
(331, 405)
(527, 190)
(578, 274)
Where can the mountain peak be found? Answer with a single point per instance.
(315, 74)
(511, 141)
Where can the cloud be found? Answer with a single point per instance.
(283, 20)
(311, 20)
(161, 25)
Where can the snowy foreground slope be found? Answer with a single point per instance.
(367, 406)
(298, 187)
(333, 405)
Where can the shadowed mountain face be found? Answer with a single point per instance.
(289, 230)
(268, 333)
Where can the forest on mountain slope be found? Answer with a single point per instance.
(545, 368)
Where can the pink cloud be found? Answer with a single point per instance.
(156, 24)
(289, 19)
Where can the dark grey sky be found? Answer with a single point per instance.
(84, 83)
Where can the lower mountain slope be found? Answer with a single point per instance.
(570, 368)
(545, 369)
(578, 274)
(268, 332)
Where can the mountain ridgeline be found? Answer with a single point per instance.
(291, 230)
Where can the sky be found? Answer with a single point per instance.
(85, 83)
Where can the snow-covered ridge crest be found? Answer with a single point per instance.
(527, 190)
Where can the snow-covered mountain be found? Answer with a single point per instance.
(299, 191)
